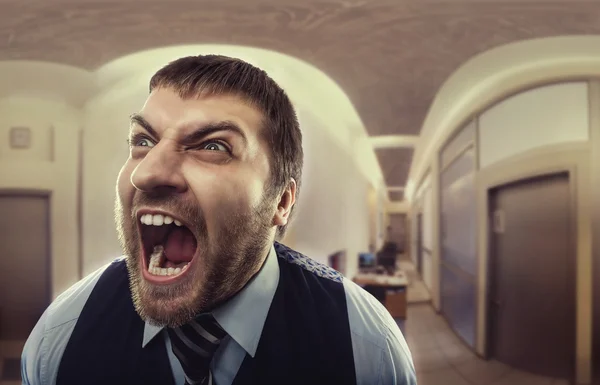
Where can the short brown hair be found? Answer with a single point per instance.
(214, 74)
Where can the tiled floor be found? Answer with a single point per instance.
(417, 291)
(442, 359)
(9, 352)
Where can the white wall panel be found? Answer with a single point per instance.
(543, 116)
(465, 137)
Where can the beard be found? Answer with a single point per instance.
(223, 263)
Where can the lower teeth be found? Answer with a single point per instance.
(157, 258)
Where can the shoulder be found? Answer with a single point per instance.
(307, 264)
(52, 332)
(381, 352)
(68, 305)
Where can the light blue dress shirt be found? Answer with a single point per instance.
(381, 354)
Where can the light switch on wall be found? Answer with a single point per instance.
(20, 137)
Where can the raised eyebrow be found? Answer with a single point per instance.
(140, 121)
(198, 134)
(210, 128)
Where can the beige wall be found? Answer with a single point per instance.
(383, 214)
(372, 202)
(424, 203)
(458, 143)
(106, 122)
(49, 165)
(397, 207)
(428, 225)
(543, 116)
(533, 131)
(489, 77)
(494, 74)
(335, 211)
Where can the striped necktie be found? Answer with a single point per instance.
(194, 345)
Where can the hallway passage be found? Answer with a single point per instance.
(441, 358)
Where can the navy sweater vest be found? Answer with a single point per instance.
(306, 338)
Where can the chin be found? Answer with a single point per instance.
(171, 310)
(177, 271)
(167, 269)
(171, 304)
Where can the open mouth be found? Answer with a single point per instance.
(168, 246)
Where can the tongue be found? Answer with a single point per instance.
(180, 245)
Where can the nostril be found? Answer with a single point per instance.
(158, 183)
(141, 184)
(164, 190)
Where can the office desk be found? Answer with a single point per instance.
(389, 290)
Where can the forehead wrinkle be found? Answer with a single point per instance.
(180, 116)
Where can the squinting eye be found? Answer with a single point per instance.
(145, 143)
(214, 146)
(141, 142)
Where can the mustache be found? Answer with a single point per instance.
(186, 210)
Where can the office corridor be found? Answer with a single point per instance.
(441, 358)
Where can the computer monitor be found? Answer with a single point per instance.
(387, 260)
(366, 260)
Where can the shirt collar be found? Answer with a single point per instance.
(244, 315)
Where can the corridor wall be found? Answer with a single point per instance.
(427, 245)
(45, 98)
(520, 124)
(423, 205)
(458, 233)
(333, 212)
(538, 130)
(542, 116)
(530, 101)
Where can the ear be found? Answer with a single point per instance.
(285, 204)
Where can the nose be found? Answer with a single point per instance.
(159, 172)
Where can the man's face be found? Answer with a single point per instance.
(191, 210)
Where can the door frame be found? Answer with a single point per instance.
(571, 268)
(572, 158)
(419, 243)
(46, 194)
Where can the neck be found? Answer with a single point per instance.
(243, 276)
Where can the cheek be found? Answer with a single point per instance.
(227, 192)
(124, 187)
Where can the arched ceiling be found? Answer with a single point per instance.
(390, 56)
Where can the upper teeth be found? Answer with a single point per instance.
(158, 220)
